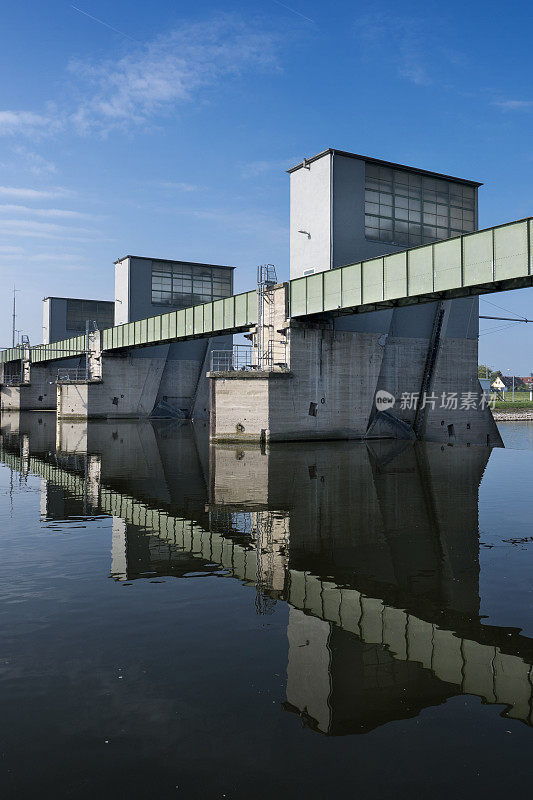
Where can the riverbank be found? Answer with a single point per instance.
(516, 415)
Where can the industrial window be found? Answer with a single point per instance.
(408, 209)
(79, 311)
(181, 285)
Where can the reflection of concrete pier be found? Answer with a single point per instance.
(375, 548)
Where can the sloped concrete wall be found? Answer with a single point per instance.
(328, 394)
(128, 389)
(39, 394)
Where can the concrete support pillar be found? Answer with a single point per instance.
(94, 357)
(127, 388)
(34, 391)
(333, 383)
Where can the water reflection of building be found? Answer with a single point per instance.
(374, 547)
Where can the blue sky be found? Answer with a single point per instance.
(165, 129)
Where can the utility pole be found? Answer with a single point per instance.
(14, 314)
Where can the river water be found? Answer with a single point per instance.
(329, 619)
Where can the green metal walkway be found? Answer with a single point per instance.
(492, 260)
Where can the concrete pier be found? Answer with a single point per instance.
(34, 392)
(333, 377)
(163, 381)
(127, 388)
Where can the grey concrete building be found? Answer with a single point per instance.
(346, 207)
(146, 287)
(64, 317)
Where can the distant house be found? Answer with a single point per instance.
(505, 383)
(528, 382)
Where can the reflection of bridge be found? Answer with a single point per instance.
(375, 548)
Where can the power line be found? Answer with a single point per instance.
(497, 306)
(500, 328)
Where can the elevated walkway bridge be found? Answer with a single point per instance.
(492, 260)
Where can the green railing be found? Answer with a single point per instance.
(491, 260)
(217, 317)
(66, 348)
(12, 354)
(494, 259)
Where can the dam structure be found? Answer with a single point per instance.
(375, 335)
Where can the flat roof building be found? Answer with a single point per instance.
(346, 207)
(145, 287)
(64, 317)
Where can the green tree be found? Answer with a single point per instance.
(484, 371)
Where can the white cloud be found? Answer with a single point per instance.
(150, 80)
(34, 162)
(23, 193)
(177, 186)
(43, 230)
(26, 122)
(514, 105)
(167, 71)
(409, 43)
(6, 208)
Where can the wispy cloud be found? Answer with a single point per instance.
(26, 122)
(176, 186)
(407, 42)
(10, 249)
(42, 230)
(168, 71)
(33, 162)
(52, 213)
(514, 105)
(152, 79)
(23, 193)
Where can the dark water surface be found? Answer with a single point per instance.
(323, 620)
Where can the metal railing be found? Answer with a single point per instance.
(244, 358)
(240, 357)
(277, 354)
(12, 380)
(72, 375)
